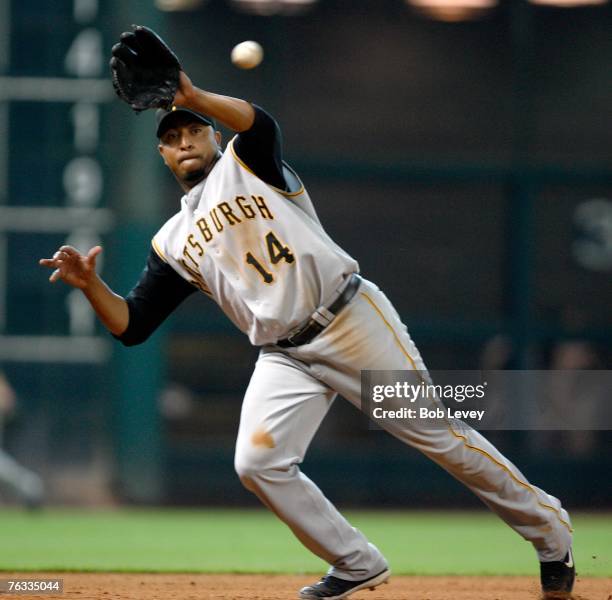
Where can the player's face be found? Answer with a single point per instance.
(190, 149)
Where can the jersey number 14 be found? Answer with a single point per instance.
(276, 251)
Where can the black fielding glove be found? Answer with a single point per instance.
(145, 72)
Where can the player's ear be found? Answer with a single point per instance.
(218, 137)
(160, 148)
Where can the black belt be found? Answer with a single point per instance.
(321, 318)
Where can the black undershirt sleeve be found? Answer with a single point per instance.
(260, 148)
(158, 292)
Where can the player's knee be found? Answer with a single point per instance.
(248, 470)
(257, 467)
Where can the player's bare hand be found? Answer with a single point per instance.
(186, 90)
(72, 267)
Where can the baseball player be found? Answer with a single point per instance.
(247, 235)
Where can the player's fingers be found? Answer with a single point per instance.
(55, 276)
(70, 250)
(94, 251)
(93, 254)
(51, 263)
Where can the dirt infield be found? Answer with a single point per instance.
(117, 586)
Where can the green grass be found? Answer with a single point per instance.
(432, 543)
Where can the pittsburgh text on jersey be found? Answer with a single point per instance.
(224, 214)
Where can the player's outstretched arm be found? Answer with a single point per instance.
(79, 271)
(238, 115)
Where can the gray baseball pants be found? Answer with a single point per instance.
(292, 389)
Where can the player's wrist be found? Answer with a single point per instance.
(91, 284)
(187, 93)
(193, 99)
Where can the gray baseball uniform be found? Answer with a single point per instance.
(261, 253)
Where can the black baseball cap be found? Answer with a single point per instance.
(163, 118)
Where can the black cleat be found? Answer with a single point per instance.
(557, 578)
(333, 588)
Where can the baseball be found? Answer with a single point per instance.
(247, 55)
